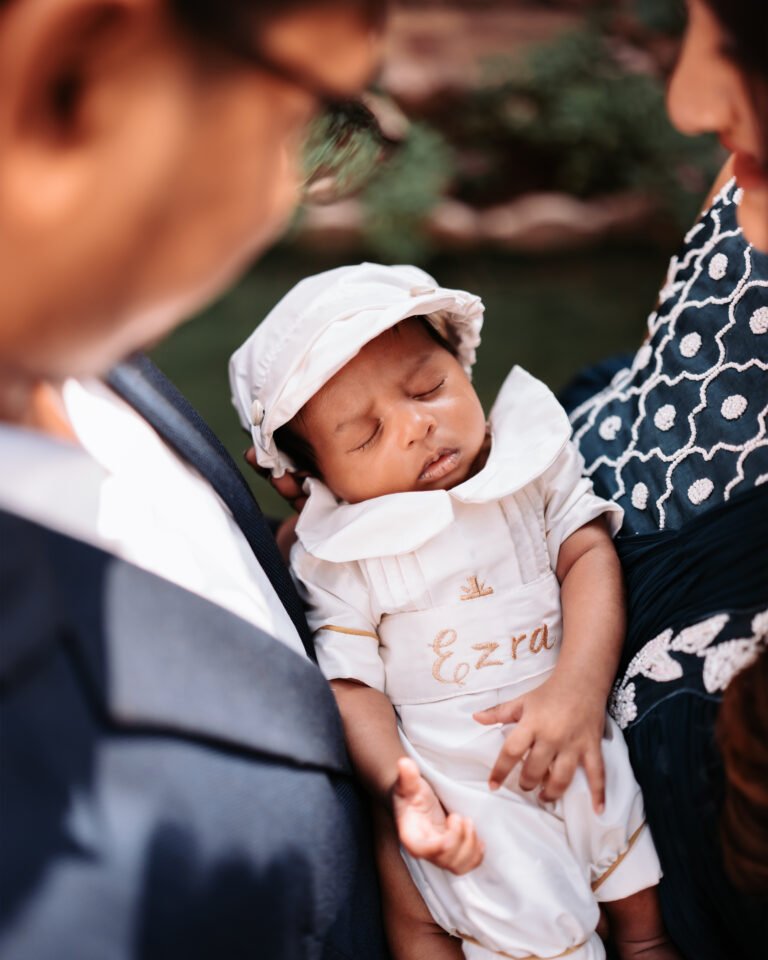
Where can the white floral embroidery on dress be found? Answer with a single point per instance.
(654, 661)
(758, 322)
(700, 490)
(700, 635)
(690, 345)
(640, 496)
(675, 331)
(643, 357)
(733, 406)
(721, 662)
(665, 417)
(724, 661)
(718, 266)
(609, 428)
(621, 704)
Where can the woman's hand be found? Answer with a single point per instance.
(558, 727)
(425, 830)
(289, 486)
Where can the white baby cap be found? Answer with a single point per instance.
(320, 325)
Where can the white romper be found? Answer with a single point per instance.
(447, 601)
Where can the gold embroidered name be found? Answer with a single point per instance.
(445, 639)
(535, 642)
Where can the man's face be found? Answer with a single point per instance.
(401, 415)
(171, 172)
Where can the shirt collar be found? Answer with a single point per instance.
(528, 427)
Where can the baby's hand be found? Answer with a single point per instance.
(558, 727)
(448, 841)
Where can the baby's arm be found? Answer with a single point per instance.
(559, 725)
(424, 829)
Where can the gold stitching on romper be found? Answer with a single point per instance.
(474, 589)
(447, 638)
(348, 630)
(516, 641)
(488, 649)
(543, 632)
(531, 956)
(618, 860)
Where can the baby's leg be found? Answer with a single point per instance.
(411, 931)
(636, 928)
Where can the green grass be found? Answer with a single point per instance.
(552, 315)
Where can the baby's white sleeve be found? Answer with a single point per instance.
(570, 501)
(340, 618)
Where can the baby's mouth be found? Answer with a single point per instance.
(440, 465)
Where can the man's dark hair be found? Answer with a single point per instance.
(300, 450)
(233, 26)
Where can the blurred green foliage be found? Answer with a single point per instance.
(399, 199)
(575, 116)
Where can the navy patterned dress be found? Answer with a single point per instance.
(679, 437)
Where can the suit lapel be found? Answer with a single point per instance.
(158, 658)
(146, 389)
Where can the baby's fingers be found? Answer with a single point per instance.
(408, 780)
(595, 770)
(559, 777)
(463, 849)
(509, 712)
(536, 765)
(515, 747)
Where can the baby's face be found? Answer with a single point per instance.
(401, 415)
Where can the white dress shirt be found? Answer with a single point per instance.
(125, 491)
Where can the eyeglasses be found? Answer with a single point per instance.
(344, 148)
(345, 144)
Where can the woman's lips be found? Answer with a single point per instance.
(443, 463)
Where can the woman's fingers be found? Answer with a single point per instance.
(289, 486)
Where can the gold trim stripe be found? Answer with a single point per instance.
(349, 630)
(597, 883)
(530, 956)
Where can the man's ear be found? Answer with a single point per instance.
(55, 58)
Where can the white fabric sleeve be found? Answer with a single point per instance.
(570, 501)
(340, 617)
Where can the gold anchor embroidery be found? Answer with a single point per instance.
(474, 589)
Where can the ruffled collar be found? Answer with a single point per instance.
(528, 428)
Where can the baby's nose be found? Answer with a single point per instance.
(417, 425)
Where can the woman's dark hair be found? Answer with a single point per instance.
(745, 23)
(300, 450)
(743, 739)
(233, 26)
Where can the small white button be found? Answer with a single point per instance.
(257, 413)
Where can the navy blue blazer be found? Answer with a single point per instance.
(173, 780)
